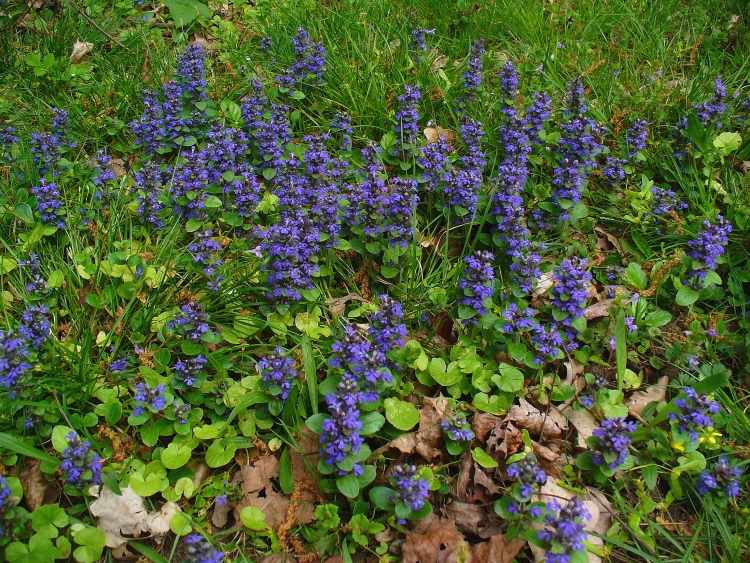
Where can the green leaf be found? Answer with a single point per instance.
(621, 348)
(176, 455)
(15, 444)
(212, 202)
(371, 423)
(56, 279)
(727, 142)
(686, 296)
(658, 318)
(635, 276)
(315, 422)
(7, 265)
(184, 12)
(60, 437)
(483, 458)
(253, 518)
(220, 452)
(401, 414)
(511, 378)
(382, 497)
(286, 479)
(311, 374)
(348, 486)
(180, 524)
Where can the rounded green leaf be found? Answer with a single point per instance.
(253, 518)
(176, 455)
(180, 524)
(483, 458)
(348, 486)
(60, 437)
(401, 414)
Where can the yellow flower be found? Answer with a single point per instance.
(678, 446)
(710, 437)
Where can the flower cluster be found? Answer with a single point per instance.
(407, 117)
(310, 61)
(636, 137)
(473, 75)
(171, 114)
(382, 209)
(198, 550)
(80, 465)
(119, 365)
(612, 439)
(457, 428)
(151, 398)
(709, 246)
(722, 475)
(518, 319)
(204, 249)
(7, 139)
(564, 531)
(103, 173)
(695, 412)
(435, 163)
(477, 282)
(49, 203)
(35, 325)
(464, 184)
(14, 359)
(342, 124)
(570, 293)
(577, 149)
(188, 370)
(537, 114)
(710, 111)
(419, 38)
(277, 372)
(666, 201)
(48, 147)
(191, 321)
(387, 329)
(529, 476)
(412, 490)
(362, 364)
(149, 184)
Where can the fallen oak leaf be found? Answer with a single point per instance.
(525, 415)
(35, 487)
(473, 518)
(498, 549)
(435, 540)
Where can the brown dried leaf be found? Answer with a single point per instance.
(35, 487)
(613, 240)
(653, 393)
(550, 424)
(258, 474)
(480, 521)
(505, 439)
(497, 549)
(483, 424)
(429, 435)
(434, 134)
(80, 50)
(543, 284)
(481, 478)
(255, 480)
(220, 514)
(440, 61)
(435, 540)
(598, 310)
(337, 305)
